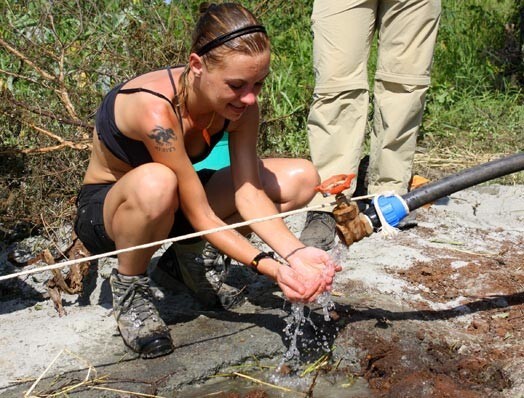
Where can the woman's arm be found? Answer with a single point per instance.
(251, 199)
(161, 133)
(252, 202)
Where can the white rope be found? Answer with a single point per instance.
(386, 230)
(169, 240)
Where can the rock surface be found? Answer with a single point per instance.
(437, 310)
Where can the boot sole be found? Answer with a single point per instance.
(157, 348)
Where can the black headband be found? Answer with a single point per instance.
(218, 41)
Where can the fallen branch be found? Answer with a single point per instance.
(73, 282)
(82, 145)
(33, 386)
(78, 146)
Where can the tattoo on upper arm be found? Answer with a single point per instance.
(164, 138)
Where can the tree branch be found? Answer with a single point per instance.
(82, 145)
(51, 115)
(14, 51)
(19, 76)
(63, 143)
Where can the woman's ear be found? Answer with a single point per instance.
(196, 65)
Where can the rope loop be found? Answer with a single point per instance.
(386, 230)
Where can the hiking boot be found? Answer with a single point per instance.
(201, 268)
(319, 230)
(137, 317)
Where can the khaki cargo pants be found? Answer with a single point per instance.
(343, 32)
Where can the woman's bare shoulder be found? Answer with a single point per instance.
(157, 79)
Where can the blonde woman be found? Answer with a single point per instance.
(141, 186)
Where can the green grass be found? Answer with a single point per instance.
(487, 122)
(476, 99)
(288, 90)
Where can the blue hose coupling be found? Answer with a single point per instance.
(392, 207)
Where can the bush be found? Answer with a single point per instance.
(59, 58)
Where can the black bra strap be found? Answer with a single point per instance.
(159, 95)
(176, 107)
(171, 79)
(145, 90)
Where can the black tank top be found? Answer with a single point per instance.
(134, 152)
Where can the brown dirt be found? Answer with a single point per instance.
(433, 354)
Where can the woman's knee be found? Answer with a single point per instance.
(307, 180)
(310, 173)
(156, 191)
(295, 183)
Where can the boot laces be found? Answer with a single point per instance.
(135, 297)
(216, 264)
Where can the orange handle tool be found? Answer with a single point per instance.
(335, 185)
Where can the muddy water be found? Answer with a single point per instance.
(334, 384)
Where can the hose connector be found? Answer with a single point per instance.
(392, 207)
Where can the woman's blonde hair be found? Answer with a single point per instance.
(217, 21)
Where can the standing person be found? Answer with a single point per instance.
(343, 31)
(141, 186)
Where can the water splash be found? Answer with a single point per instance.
(327, 304)
(299, 318)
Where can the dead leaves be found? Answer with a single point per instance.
(73, 281)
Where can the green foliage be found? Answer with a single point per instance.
(476, 96)
(472, 45)
(488, 122)
(59, 58)
(288, 89)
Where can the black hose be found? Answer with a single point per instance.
(456, 182)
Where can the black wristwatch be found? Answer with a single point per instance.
(254, 263)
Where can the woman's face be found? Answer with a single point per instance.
(235, 84)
